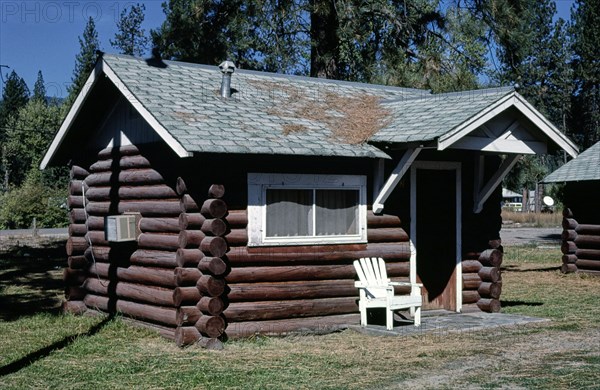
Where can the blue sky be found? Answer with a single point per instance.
(43, 35)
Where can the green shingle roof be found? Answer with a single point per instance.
(427, 117)
(184, 99)
(584, 167)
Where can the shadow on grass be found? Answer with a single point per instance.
(33, 357)
(517, 268)
(31, 281)
(520, 303)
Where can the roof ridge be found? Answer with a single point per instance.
(470, 92)
(281, 75)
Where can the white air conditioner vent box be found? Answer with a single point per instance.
(121, 228)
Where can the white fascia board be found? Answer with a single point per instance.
(148, 117)
(511, 100)
(75, 108)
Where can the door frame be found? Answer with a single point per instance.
(437, 165)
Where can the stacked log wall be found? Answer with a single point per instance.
(283, 289)
(580, 246)
(482, 278)
(137, 279)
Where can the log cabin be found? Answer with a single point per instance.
(212, 204)
(581, 214)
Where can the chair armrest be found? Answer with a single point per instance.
(405, 284)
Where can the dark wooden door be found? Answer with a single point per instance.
(436, 237)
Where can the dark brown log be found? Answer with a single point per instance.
(215, 246)
(216, 191)
(211, 343)
(490, 290)
(214, 227)
(271, 310)
(489, 305)
(470, 296)
(569, 259)
(164, 208)
(291, 290)
(76, 246)
(180, 186)
(189, 221)
(150, 192)
(212, 265)
(159, 225)
(593, 230)
(78, 262)
(490, 274)
(162, 277)
(74, 201)
(95, 223)
(319, 253)
(237, 237)
(186, 295)
(97, 238)
(190, 238)
(214, 208)
(116, 151)
(187, 276)
(75, 293)
(167, 242)
(162, 315)
(77, 229)
(319, 325)
(237, 218)
(593, 254)
(387, 235)
(567, 213)
(154, 258)
(126, 178)
(186, 335)
(586, 241)
(188, 257)
(471, 281)
(125, 162)
(187, 204)
(211, 326)
(77, 216)
(78, 173)
(102, 254)
(382, 220)
(74, 307)
(568, 268)
(211, 305)
(491, 258)
(568, 247)
(588, 264)
(187, 315)
(131, 291)
(568, 235)
(306, 272)
(210, 285)
(469, 266)
(74, 277)
(75, 187)
(569, 223)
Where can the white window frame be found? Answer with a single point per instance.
(258, 183)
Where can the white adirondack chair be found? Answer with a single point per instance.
(376, 290)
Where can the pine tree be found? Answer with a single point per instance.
(39, 89)
(15, 95)
(131, 38)
(585, 31)
(85, 60)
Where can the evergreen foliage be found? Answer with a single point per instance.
(131, 38)
(15, 95)
(84, 60)
(39, 89)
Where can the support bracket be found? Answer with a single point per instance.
(403, 165)
(482, 195)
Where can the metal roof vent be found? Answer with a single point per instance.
(227, 67)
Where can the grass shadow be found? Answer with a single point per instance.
(31, 280)
(517, 268)
(33, 357)
(519, 303)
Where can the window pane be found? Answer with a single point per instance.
(337, 212)
(289, 213)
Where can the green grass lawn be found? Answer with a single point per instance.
(40, 348)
